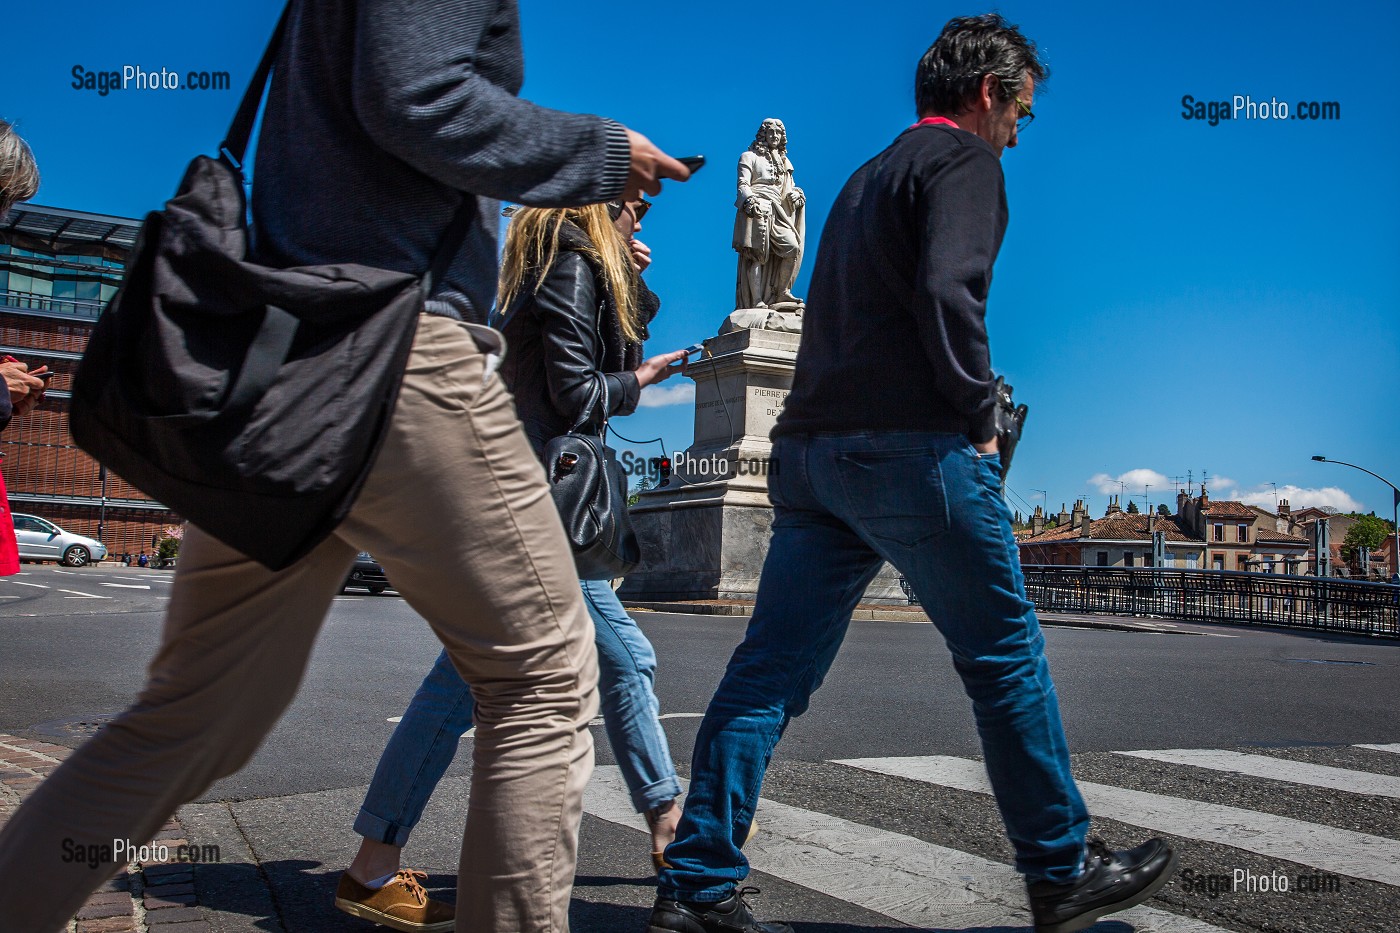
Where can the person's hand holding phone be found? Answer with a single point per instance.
(26, 388)
(660, 368)
(649, 166)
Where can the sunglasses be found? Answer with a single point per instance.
(638, 208)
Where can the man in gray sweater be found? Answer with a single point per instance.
(385, 120)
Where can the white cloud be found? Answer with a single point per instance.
(1135, 480)
(662, 396)
(1300, 498)
(1223, 487)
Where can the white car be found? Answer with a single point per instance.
(40, 539)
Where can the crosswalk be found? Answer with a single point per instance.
(931, 884)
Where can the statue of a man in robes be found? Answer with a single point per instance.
(771, 223)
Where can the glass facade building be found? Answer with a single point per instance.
(58, 268)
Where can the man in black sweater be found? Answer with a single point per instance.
(888, 452)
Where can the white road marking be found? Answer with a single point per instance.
(681, 716)
(906, 879)
(71, 573)
(37, 586)
(127, 586)
(1393, 747)
(78, 595)
(1343, 851)
(1279, 769)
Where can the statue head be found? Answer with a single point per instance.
(771, 136)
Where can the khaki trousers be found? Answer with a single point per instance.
(458, 512)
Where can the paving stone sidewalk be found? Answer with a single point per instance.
(143, 898)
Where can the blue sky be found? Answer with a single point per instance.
(1171, 296)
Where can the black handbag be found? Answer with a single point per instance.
(248, 399)
(590, 492)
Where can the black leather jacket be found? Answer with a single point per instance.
(557, 338)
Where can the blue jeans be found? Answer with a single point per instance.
(425, 740)
(930, 505)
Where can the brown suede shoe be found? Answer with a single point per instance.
(401, 904)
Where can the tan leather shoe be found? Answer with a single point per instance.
(402, 904)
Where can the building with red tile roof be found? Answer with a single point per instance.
(1202, 534)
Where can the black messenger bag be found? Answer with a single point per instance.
(248, 399)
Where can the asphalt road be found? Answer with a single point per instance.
(76, 641)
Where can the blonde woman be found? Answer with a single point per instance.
(571, 306)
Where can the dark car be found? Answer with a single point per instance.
(367, 574)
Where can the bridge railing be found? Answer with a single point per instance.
(1316, 603)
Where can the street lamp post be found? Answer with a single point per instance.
(1395, 505)
(102, 505)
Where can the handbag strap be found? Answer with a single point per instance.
(235, 143)
(240, 132)
(600, 387)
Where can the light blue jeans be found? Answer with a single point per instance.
(842, 503)
(425, 740)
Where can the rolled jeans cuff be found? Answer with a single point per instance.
(652, 795)
(378, 829)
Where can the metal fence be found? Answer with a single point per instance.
(85, 308)
(1316, 603)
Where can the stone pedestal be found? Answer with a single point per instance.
(705, 534)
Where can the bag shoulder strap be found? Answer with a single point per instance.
(240, 132)
(235, 144)
(600, 388)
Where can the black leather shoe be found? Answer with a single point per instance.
(1112, 880)
(728, 916)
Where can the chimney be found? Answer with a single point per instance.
(1181, 499)
(1037, 521)
(1112, 507)
(1283, 508)
(1063, 518)
(1076, 519)
(1205, 498)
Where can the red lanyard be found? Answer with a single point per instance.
(937, 121)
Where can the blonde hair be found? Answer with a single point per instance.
(532, 245)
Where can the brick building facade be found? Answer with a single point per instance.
(57, 269)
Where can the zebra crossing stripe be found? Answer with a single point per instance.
(1342, 851)
(900, 877)
(1279, 769)
(1394, 747)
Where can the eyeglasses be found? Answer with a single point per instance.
(638, 208)
(1026, 118)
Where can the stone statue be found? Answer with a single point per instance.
(771, 224)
